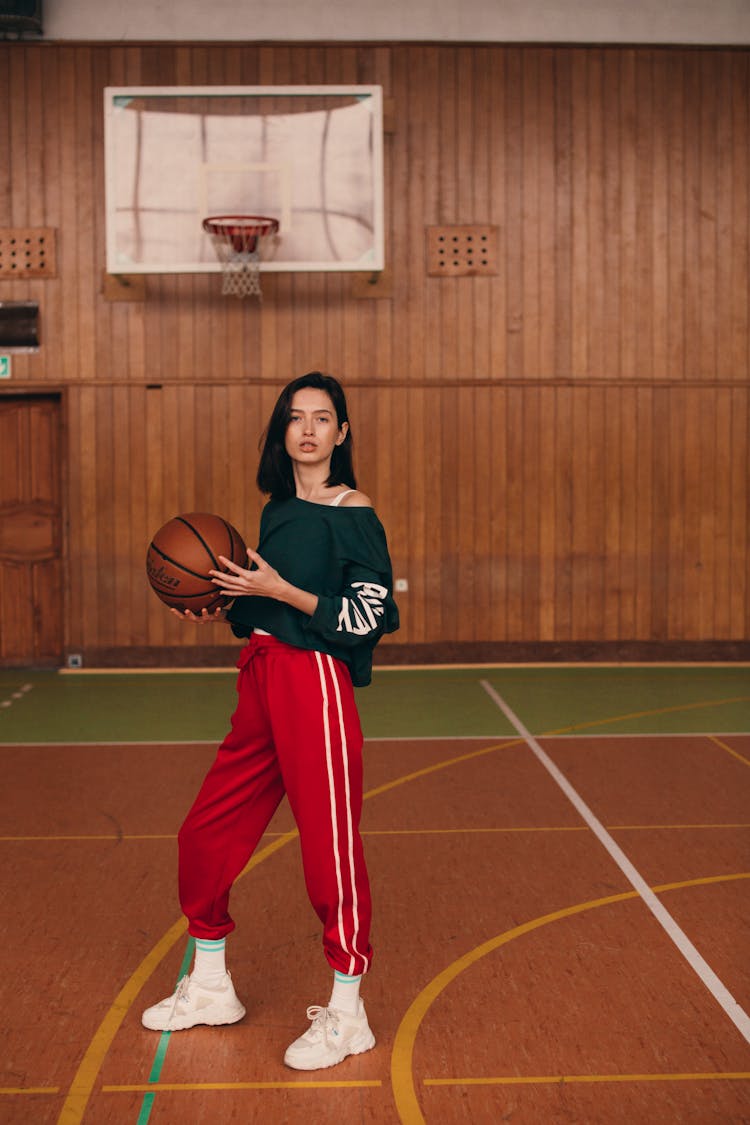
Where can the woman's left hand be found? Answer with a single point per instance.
(238, 582)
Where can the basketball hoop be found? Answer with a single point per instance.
(241, 243)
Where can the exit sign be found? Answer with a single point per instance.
(4, 367)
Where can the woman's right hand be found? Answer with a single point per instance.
(203, 619)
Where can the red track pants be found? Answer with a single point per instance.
(295, 731)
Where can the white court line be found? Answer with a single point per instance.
(646, 734)
(718, 990)
(504, 736)
(66, 745)
(19, 693)
(399, 738)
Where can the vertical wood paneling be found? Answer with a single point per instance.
(564, 317)
(673, 111)
(560, 452)
(739, 186)
(564, 446)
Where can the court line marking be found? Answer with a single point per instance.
(735, 753)
(561, 735)
(558, 733)
(402, 1076)
(294, 833)
(229, 668)
(397, 832)
(147, 1102)
(532, 828)
(179, 1087)
(210, 742)
(18, 693)
(678, 734)
(700, 705)
(82, 1085)
(564, 1079)
(715, 986)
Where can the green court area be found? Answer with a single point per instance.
(154, 706)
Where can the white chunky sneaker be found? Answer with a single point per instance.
(332, 1036)
(193, 1003)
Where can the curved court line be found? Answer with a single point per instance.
(402, 1077)
(79, 1093)
(83, 1082)
(672, 929)
(701, 705)
(82, 1085)
(506, 744)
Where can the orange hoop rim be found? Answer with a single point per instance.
(233, 226)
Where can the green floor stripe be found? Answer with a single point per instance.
(403, 702)
(161, 1050)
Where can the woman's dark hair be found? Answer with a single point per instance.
(275, 475)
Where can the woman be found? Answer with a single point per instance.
(313, 604)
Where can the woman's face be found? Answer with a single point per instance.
(313, 430)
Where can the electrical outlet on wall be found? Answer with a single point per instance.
(401, 585)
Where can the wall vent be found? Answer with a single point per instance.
(461, 251)
(28, 252)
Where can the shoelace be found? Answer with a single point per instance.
(323, 1019)
(180, 994)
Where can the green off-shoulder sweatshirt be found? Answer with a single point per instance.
(341, 555)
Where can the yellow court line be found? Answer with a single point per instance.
(729, 750)
(82, 1085)
(702, 705)
(179, 1087)
(74, 672)
(504, 745)
(402, 1077)
(85, 1077)
(405, 832)
(564, 1079)
(468, 831)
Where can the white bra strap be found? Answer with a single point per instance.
(337, 499)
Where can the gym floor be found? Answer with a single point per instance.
(560, 862)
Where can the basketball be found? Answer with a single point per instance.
(182, 553)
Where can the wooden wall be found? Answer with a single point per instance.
(559, 452)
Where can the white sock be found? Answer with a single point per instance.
(345, 994)
(209, 967)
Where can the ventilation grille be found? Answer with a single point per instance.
(28, 252)
(465, 251)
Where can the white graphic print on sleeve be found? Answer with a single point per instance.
(359, 615)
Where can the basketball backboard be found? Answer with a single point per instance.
(310, 156)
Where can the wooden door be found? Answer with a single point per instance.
(31, 587)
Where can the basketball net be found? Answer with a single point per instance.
(241, 243)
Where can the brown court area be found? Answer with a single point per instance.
(518, 976)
